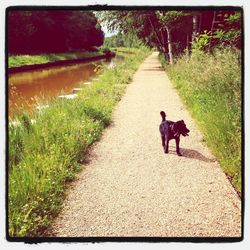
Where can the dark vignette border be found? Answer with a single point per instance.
(32, 240)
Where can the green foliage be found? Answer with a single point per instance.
(226, 34)
(105, 50)
(201, 41)
(210, 86)
(233, 18)
(19, 60)
(227, 38)
(170, 17)
(228, 31)
(46, 154)
(53, 31)
(129, 23)
(114, 41)
(171, 32)
(123, 40)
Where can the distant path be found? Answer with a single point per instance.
(131, 188)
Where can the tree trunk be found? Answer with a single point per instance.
(212, 27)
(170, 53)
(157, 36)
(200, 20)
(188, 47)
(163, 43)
(213, 21)
(195, 26)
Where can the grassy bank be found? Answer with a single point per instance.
(44, 156)
(20, 60)
(210, 86)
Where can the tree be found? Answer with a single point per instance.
(122, 40)
(173, 32)
(20, 30)
(154, 28)
(42, 31)
(219, 29)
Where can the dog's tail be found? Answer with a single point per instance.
(163, 115)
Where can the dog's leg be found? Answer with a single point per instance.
(166, 144)
(177, 141)
(163, 140)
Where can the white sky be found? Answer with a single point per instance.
(107, 32)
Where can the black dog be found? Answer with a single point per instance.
(172, 130)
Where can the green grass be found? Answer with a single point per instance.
(20, 60)
(44, 156)
(210, 86)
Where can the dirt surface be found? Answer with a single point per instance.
(131, 188)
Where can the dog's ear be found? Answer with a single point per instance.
(163, 114)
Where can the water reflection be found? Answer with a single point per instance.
(25, 89)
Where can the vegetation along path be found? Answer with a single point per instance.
(131, 188)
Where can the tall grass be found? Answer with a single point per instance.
(44, 156)
(210, 86)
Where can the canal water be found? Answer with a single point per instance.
(27, 90)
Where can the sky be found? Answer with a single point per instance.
(104, 27)
(107, 32)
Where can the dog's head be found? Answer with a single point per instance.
(180, 128)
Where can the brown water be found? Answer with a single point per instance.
(28, 89)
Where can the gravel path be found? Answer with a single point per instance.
(131, 188)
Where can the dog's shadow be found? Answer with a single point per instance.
(192, 154)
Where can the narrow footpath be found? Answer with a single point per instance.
(131, 188)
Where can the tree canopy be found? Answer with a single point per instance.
(171, 32)
(42, 31)
(174, 32)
